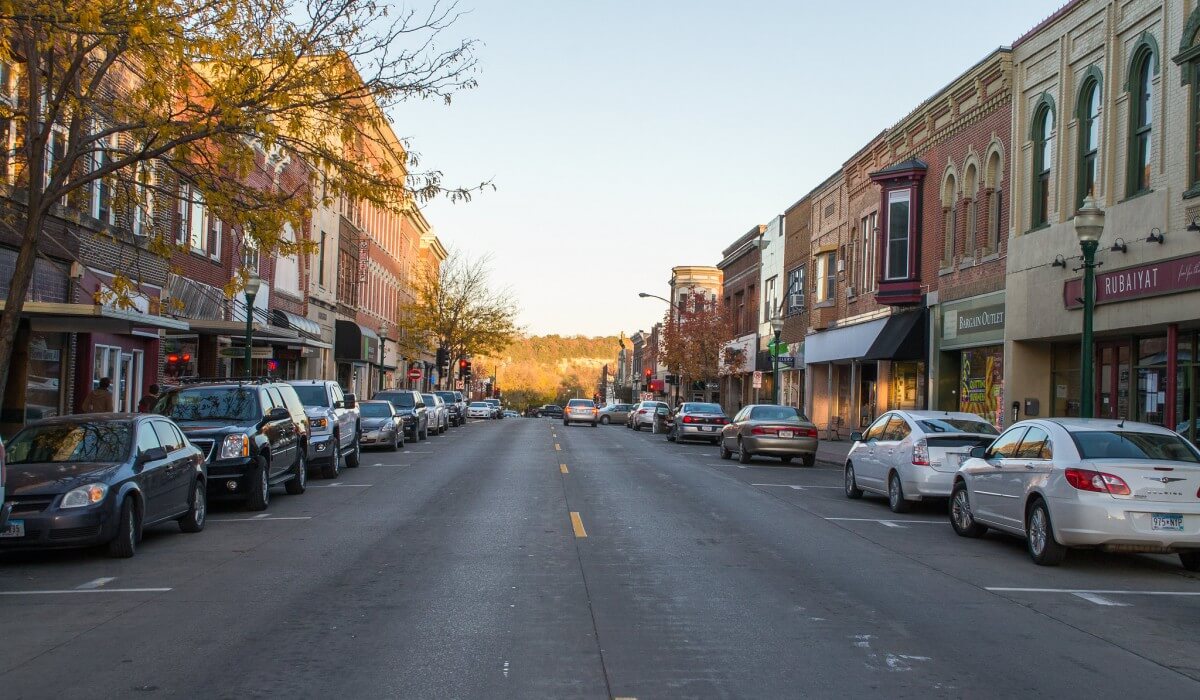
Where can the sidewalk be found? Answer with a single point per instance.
(832, 453)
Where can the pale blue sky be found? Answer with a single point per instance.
(628, 137)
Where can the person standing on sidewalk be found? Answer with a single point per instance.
(100, 400)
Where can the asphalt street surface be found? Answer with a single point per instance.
(523, 559)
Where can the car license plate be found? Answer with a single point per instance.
(709, 428)
(786, 434)
(1170, 522)
(16, 528)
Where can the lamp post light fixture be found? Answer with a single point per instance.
(1089, 225)
(777, 327)
(676, 312)
(253, 284)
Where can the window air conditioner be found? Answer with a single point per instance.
(796, 301)
(841, 266)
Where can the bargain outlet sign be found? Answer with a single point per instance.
(1156, 279)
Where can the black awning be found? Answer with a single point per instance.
(355, 343)
(902, 338)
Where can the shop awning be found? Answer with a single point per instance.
(903, 338)
(90, 318)
(849, 343)
(355, 343)
(237, 329)
(303, 326)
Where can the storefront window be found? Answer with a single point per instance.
(1152, 380)
(1065, 378)
(982, 371)
(908, 386)
(43, 383)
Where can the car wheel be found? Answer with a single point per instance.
(1039, 536)
(809, 460)
(353, 459)
(193, 520)
(259, 486)
(637, 425)
(852, 490)
(786, 460)
(604, 420)
(397, 441)
(896, 495)
(125, 543)
(960, 512)
(1190, 560)
(299, 480)
(743, 454)
(334, 468)
(725, 452)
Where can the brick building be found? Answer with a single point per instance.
(796, 259)
(740, 264)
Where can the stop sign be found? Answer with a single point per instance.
(414, 373)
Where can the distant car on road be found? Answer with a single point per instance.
(411, 407)
(456, 405)
(697, 421)
(439, 415)
(101, 478)
(381, 425)
(615, 413)
(913, 455)
(1071, 482)
(511, 414)
(772, 431)
(645, 413)
(497, 408)
(581, 411)
(479, 409)
(551, 410)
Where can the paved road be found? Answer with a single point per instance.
(456, 569)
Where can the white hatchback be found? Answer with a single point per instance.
(1070, 482)
(913, 455)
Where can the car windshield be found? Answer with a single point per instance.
(404, 400)
(102, 441)
(375, 409)
(312, 394)
(701, 408)
(447, 396)
(1113, 444)
(209, 403)
(429, 399)
(956, 425)
(479, 404)
(775, 413)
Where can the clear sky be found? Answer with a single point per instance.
(627, 137)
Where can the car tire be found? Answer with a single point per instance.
(960, 513)
(743, 454)
(604, 420)
(809, 460)
(259, 486)
(1190, 560)
(637, 425)
(725, 451)
(396, 442)
(334, 468)
(299, 481)
(1039, 536)
(124, 545)
(896, 500)
(852, 490)
(193, 520)
(355, 457)
(786, 460)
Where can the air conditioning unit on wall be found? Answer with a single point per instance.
(795, 301)
(841, 266)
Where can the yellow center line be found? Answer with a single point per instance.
(563, 468)
(578, 525)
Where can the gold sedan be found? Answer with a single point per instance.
(770, 431)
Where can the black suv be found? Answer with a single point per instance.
(455, 406)
(254, 435)
(411, 407)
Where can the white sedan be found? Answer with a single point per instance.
(1069, 482)
(913, 455)
(479, 409)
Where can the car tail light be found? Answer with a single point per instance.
(809, 432)
(1099, 482)
(641, 411)
(761, 430)
(689, 419)
(920, 456)
(722, 421)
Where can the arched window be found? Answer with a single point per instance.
(1141, 112)
(995, 172)
(950, 218)
(1043, 162)
(1188, 59)
(971, 195)
(1089, 140)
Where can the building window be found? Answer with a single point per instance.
(898, 235)
(1194, 116)
(795, 290)
(971, 194)
(1043, 161)
(193, 219)
(995, 173)
(144, 193)
(826, 277)
(8, 136)
(250, 253)
(1141, 112)
(321, 261)
(770, 303)
(56, 153)
(949, 220)
(869, 239)
(1089, 140)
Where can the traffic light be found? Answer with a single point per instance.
(648, 373)
(443, 359)
(462, 368)
(467, 369)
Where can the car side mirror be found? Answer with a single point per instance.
(350, 401)
(278, 413)
(153, 454)
(978, 452)
(856, 436)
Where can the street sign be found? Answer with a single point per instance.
(458, 385)
(757, 384)
(433, 377)
(787, 360)
(712, 386)
(415, 373)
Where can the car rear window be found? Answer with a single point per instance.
(779, 413)
(312, 394)
(375, 409)
(209, 403)
(400, 400)
(1113, 444)
(701, 408)
(59, 443)
(581, 402)
(956, 425)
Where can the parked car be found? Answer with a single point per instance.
(697, 421)
(508, 413)
(645, 413)
(479, 409)
(254, 435)
(497, 408)
(101, 479)
(456, 405)
(382, 426)
(913, 455)
(411, 407)
(581, 411)
(551, 410)
(1070, 482)
(770, 430)
(439, 415)
(334, 419)
(615, 413)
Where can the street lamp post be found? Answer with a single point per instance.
(777, 326)
(675, 312)
(253, 284)
(1089, 225)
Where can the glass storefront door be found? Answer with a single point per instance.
(1112, 379)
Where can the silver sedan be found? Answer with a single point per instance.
(1069, 482)
(770, 430)
(380, 425)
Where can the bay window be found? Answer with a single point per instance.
(898, 235)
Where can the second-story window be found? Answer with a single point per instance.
(770, 303)
(795, 290)
(869, 241)
(1089, 140)
(321, 261)
(145, 182)
(101, 207)
(1043, 161)
(1141, 114)
(898, 234)
(949, 220)
(826, 273)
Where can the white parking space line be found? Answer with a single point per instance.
(95, 583)
(798, 487)
(892, 522)
(338, 485)
(88, 590)
(1100, 600)
(1073, 591)
(259, 519)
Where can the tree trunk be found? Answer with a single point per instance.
(18, 287)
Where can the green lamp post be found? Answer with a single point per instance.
(1089, 225)
(253, 284)
(777, 327)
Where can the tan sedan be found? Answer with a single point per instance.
(770, 431)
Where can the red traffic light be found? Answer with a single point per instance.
(648, 373)
(172, 358)
(462, 364)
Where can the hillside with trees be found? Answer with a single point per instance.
(540, 369)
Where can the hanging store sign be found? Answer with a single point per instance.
(1156, 279)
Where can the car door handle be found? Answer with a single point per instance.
(1030, 465)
